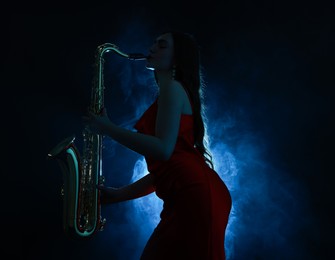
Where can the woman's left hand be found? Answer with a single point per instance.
(97, 123)
(108, 194)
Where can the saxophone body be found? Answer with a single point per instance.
(81, 173)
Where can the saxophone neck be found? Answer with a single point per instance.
(107, 47)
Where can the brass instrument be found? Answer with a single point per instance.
(81, 199)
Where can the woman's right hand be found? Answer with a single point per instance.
(108, 195)
(97, 123)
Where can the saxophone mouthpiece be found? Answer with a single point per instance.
(137, 56)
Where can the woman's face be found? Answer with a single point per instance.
(161, 53)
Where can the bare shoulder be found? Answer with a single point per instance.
(174, 90)
(174, 94)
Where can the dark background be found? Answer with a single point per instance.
(270, 76)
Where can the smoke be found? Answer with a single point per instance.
(269, 208)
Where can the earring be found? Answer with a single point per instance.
(174, 72)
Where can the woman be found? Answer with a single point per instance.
(170, 135)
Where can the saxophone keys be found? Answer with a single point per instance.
(62, 191)
(101, 180)
(102, 224)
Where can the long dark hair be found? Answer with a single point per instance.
(188, 72)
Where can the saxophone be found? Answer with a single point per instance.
(81, 199)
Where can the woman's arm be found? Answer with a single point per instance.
(139, 188)
(160, 146)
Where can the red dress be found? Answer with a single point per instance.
(196, 204)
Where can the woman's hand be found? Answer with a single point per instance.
(97, 123)
(108, 194)
(137, 189)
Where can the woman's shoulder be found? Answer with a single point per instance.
(176, 94)
(173, 89)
